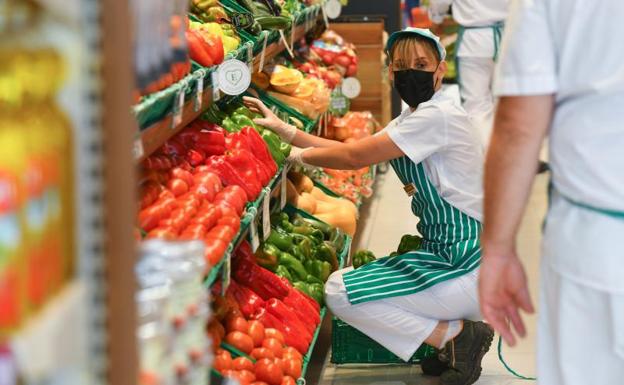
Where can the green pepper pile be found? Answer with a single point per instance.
(303, 251)
(235, 116)
(408, 243)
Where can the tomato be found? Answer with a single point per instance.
(242, 363)
(274, 333)
(290, 352)
(269, 372)
(149, 193)
(292, 367)
(214, 251)
(224, 233)
(177, 221)
(240, 341)
(178, 187)
(204, 190)
(240, 192)
(256, 332)
(230, 221)
(223, 362)
(207, 217)
(227, 210)
(212, 180)
(287, 380)
(233, 374)
(258, 383)
(183, 174)
(237, 324)
(246, 375)
(260, 353)
(162, 233)
(274, 345)
(215, 338)
(151, 216)
(193, 231)
(279, 362)
(231, 196)
(217, 327)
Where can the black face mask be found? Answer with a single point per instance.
(414, 86)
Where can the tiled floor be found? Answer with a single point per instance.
(388, 217)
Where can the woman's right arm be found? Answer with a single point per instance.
(287, 132)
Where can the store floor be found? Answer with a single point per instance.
(385, 218)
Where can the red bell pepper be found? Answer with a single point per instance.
(211, 142)
(195, 157)
(301, 296)
(197, 49)
(249, 167)
(237, 141)
(264, 283)
(302, 309)
(290, 337)
(248, 301)
(305, 329)
(259, 149)
(230, 176)
(244, 252)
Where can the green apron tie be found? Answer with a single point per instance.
(608, 212)
(497, 34)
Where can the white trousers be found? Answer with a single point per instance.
(401, 324)
(580, 333)
(475, 78)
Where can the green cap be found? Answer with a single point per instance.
(427, 34)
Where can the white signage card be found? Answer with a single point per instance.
(234, 77)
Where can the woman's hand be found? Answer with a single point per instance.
(270, 120)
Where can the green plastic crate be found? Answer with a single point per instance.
(350, 346)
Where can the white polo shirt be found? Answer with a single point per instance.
(573, 49)
(440, 134)
(473, 13)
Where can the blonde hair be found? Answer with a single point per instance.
(404, 47)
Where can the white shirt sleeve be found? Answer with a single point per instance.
(438, 9)
(421, 133)
(527, 64)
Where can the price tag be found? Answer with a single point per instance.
(351, 87)
(241, 20)
(234, 77)
(178, 109)
(339, 104)
(290, 52)
(199, 95)
(137, 147)
(264, 45)
(226, 271)
(250, 56)
(253, 233)
(216, 94)
(266, 214)
(333, 8)
(283, 188)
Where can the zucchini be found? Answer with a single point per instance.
(248, 5)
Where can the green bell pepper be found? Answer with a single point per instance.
(214, 115)
(326, 252)
(242, 110)
(409, 243)
(281, 239)
(285, 148)
(302, 246)
(281, 220)
(362, 257)
(294, 266)
(312, 290)
(282, 271)
(273, 143)
(319, 269)
(229, 125)
(337, 238)
(242, 121)
(267, 256)
(324, 227)
(312, 279)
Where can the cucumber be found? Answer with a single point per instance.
(248, 5)
(273, 22)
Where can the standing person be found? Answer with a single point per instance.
(427, 295)
(481, 24)
(561, 75)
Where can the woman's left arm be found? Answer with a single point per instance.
(354, 155)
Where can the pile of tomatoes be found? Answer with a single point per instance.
(270, 361)
(190, 203)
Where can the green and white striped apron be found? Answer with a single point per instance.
(450, 247)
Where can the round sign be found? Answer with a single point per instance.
(333, 9)
(351, 87)
(233, 77)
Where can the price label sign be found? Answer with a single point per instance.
(292, 32)
(234, 77)
(283, 188)
(178, 109)
(266, 214)
(264, 45)
(339, 104)
(333, 8)
(216, 93)
(199, 95)
(250, 56)
(351, 87)
(137, 147)
(226, 271)
(253, 235)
